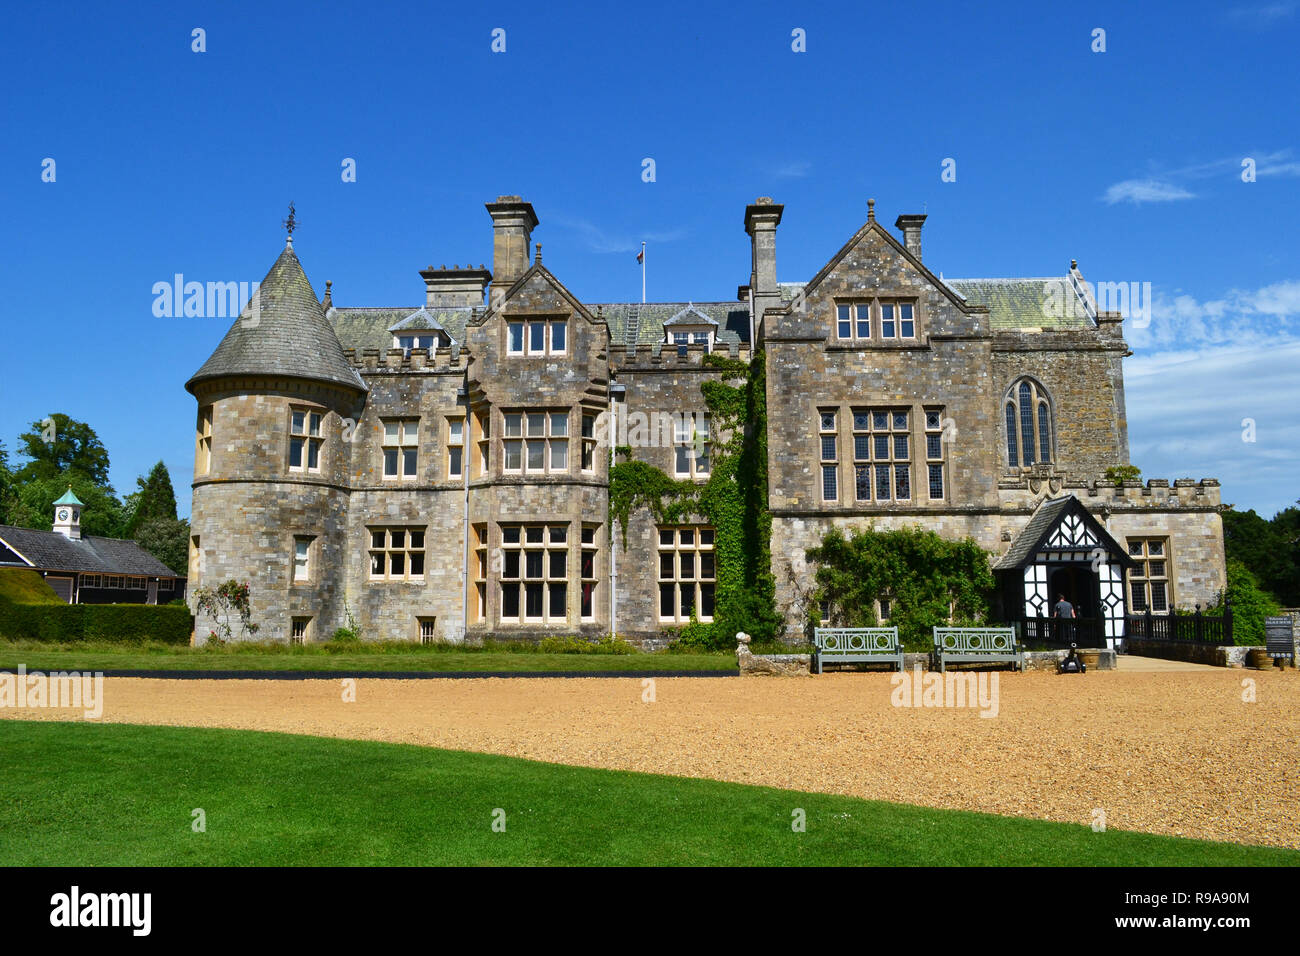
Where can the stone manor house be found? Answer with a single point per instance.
(439, 471)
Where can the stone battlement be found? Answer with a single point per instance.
(1160, 492)
(666, 355)
(414, 360)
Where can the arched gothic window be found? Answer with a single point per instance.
(1029, 424)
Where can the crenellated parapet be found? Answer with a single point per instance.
(451, 360)
(672, 357)
(1156, 493)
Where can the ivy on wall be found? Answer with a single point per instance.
(733, 501)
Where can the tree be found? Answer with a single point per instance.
(59, 444)
(1250, 605)
(1269, 549)
(6, 485)
(154, 499)
(928, 580)
(168, 540)
(33, 504)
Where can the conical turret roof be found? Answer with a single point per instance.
(282, 331)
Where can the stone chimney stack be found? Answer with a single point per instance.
(762, 217)
(447, 288)
(513, 222)
(911, 227)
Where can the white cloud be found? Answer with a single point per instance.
(1139, 191)
(598, 240)
(797, 169)
(1201, 369)
(1259, 17)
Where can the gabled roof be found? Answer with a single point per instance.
(282, 332)
(48, 551)
(537, 270)
(873, 226)
(1038, 535)
(421, 320)
(690, 316)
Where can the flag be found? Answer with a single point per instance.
(640, 256)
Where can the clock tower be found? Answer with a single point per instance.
(67, 516)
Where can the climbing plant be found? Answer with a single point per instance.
(928, 580)
(733, 501)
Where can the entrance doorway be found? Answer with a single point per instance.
(1079, 585)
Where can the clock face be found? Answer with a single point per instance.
(63, 514)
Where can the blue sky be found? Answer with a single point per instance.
(170, 161)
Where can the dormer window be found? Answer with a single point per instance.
(684, 338)
(428, 340)
(689, 327)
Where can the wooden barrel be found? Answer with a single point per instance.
(1259, 659)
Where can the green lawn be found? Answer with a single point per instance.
(326, 657)
(105, 794)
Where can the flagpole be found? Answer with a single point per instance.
(643, 273)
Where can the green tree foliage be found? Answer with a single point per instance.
(154, 499)
(1269, 549)
(168, 540)
(6, 485)
(33, 504)
(920, 573)
(1250, 605)
(59, 444)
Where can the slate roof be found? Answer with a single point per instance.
(421, 321)
(732, 319)
(1026, 545)
(690, 316)
(49, 551)
(1012, 303)
(289, 335)
(1019, 303)
(1026, 542)
(371, 328)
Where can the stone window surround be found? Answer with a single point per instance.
(401, 447)
(702, 586)
(1040, 397)
(1139, 577)
(550, 440)
(685, 465)
(203, 441)
(875, 320)
(527, 344)
(306, 557)
(520, 576)
(455, 446)
(408, 548)
(310, 432)
(872, 432)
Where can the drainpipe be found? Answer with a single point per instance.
(465, 448)
(613, 541)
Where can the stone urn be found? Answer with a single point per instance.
(1258, 659)
(1090, 656)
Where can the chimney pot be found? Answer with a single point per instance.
(911, 229)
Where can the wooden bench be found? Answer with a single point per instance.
(976, 645)
(856, 645)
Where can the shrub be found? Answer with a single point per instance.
(110, 623)
(578, 645)
(1250, 605)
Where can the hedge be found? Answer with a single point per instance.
(123, 623)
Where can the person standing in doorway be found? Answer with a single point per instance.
(1063, 607)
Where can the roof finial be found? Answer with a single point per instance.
(290, 225)
(329, 296)
(539, 254)
(871, 210)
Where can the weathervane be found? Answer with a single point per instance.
(291, 223)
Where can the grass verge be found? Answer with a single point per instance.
(352, 657)
(108, 795)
